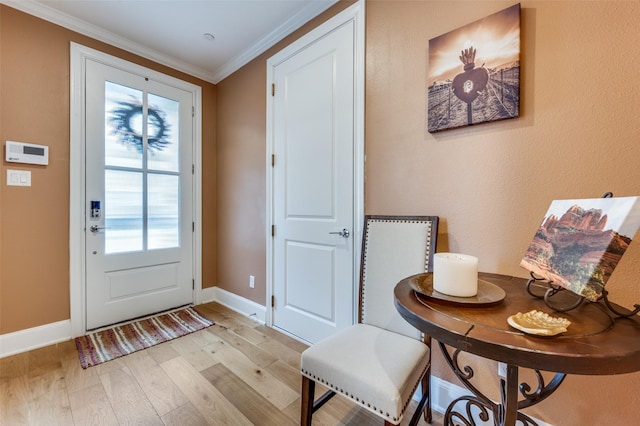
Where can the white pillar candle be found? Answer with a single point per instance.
(455, 274)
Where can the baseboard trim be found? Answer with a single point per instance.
(34, 338)
(237, 303)
(208, 295)
(56, 332)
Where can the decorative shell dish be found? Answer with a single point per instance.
(538, 323)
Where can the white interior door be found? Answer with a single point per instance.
(139, 184)
(313, 187)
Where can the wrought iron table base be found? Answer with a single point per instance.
(505, 413)
(552, 289)
(596, 344)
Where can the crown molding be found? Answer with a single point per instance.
(312, 10)
(62, 19)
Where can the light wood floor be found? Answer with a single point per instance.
(235, 372)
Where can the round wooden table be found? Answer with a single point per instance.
(596, 343)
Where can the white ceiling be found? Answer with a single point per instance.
(171, 32)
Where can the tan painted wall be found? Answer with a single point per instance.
(34, 223)
(491, 184)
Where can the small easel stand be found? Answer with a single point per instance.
(553, 290)
(543, 289)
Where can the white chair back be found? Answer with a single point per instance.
(393, 248)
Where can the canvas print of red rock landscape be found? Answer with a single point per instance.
(580, 242)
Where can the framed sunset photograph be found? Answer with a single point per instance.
(474, 72)
(580, 242)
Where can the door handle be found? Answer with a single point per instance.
(96, 228)
(344, 233)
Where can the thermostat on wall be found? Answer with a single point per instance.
(19, 152)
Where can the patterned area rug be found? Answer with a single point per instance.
(105, 345)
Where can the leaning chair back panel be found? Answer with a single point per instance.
(393, 248)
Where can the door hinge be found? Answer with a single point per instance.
(193, 111)
(273, 160)
(273, 230)
(273, 301)
(193, 169)
(193, 284)
(273, 89)
(193, 227)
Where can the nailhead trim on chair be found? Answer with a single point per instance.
(347, 394)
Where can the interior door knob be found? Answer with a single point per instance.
(343, 233)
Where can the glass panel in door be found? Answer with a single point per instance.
(142, 166)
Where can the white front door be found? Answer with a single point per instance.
(139, 184)
(313, 187)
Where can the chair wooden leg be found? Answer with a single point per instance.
(306, 409)
(424, 406)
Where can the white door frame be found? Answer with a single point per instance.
(77, 201)
(353, 13)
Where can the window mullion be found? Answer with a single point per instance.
(145, 171)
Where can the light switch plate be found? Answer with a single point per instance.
(18, 177)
